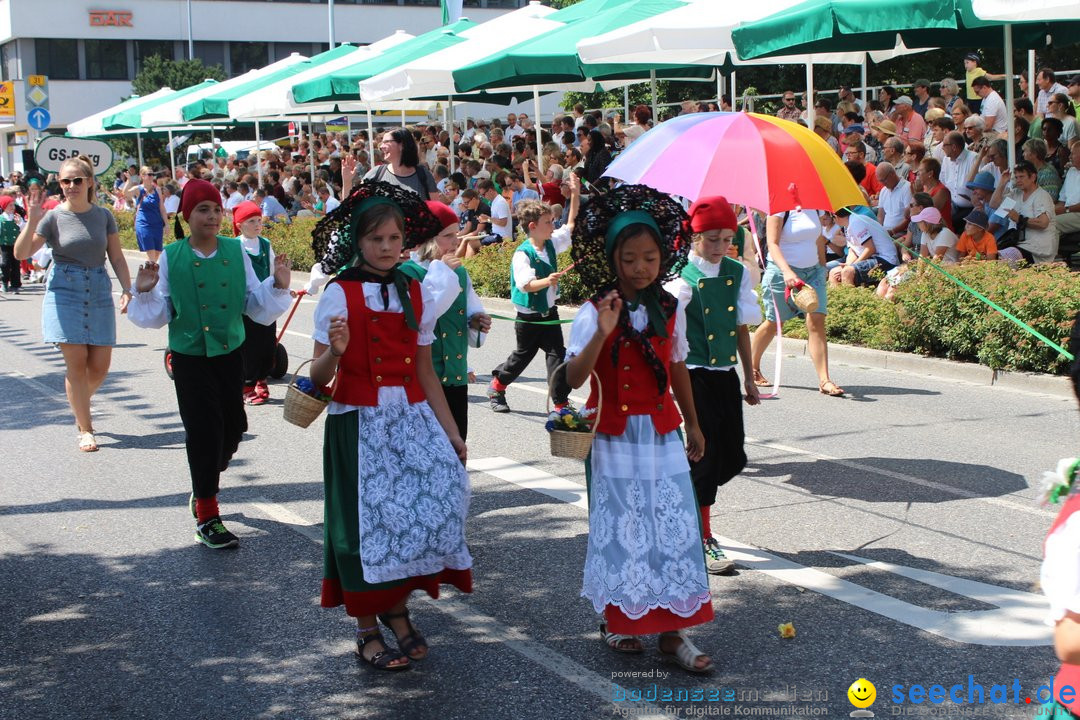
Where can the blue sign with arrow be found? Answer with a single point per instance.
(39, 118)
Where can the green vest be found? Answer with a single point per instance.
(208, 297)
(535, 301)
(259, 263)
(710, 317)
(9, 231)
(739, 241)
(450, 349)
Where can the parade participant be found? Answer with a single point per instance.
(260, 341)
(150, 214)
(534, 278)
(9, 233)
(796, 256)
(78, 313)
(644, 568)
(717, 295)
(450, 349)
(396, 492)
(1060, 575)
(202, 289)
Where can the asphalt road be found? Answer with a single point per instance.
(895, 528)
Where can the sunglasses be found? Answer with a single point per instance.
(76, 181)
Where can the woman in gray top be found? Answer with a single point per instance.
(78, 313)
(403, 167)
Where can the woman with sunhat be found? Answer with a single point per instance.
(397, 493)
(202, 289)
(260, 341)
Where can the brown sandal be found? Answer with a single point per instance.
(760, 380)
(836, 391)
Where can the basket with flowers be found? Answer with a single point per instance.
(303, 400)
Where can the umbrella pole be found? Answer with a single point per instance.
(450, 127)
(172, 156)
(370, 140)
(626, 103)
(1007, 29)
(258, 153)
(862, 79)
(539, 137)
(311, 147)
(402, 117)
(734, 94)
(138, 142)
(1031, 77)
(809, 92)
(652, 92)
(719, 87)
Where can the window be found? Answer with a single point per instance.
(248, 56)
(106, 59)
(146, 48)
(211, 53)
(59, 59)
(282, 50)
(9, 61)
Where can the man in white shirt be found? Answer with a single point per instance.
(955, 170)
(869, 247)
(893, 200)
(512, 128)
(500, 210)
(993, 111)
(234, 198)
(1068, 205)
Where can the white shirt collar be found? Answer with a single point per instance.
(709, 268)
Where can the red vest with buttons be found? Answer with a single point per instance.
(630, 386)
(1068, 674)
(381, 351)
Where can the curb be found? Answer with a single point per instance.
(1056, 385)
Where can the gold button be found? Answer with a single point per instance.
(445, 357)
(445, 379)
(378, 378)
(729, 282)
(731, 308)
(459, 333)
(732, 333)
(732, 358)
(205, 307)
(458, 377)
(226, 346)
(224, 262)
(444, 334)
(712, 361)
(711, 336)
(701, 284)
(706, 311)
(626, 344)
(378, 359)
(458, 357)
(460, 312)
(626, 368)
(625, 408)
(206, 328)
(408, 360)
(197, 263)
(625, 387)
(374, 319)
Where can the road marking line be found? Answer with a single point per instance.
(1016, 619)
(892, 474)
(485, 628)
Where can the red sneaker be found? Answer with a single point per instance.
(251, 397)
(261, 390)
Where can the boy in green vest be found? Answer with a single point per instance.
(260, 341)
(9, 232)
(718, 296)
(534, 278)
(202, 289)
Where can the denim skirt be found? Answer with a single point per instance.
(78, 306)
(772, 290)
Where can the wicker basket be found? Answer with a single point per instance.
(805, 298)
(575, 445)
(300, 408)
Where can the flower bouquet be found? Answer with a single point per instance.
(571, 432)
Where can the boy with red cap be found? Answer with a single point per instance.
(260, 340)
(717, 294)
(9, 233)
(450, 350)
(202, 289)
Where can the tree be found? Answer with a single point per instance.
(158, 72)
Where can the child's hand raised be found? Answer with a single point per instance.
(607, 313)
(147, 277)
(282, 272)
(338, 335)
(451, 260)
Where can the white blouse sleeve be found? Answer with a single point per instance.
(523, 270)
(680, 345)
(152, 309)
(473, 306)
(747, 309)
(439, 290)
(582, 330)
(331, 304)
(561, 239)
(680, 289)
(264, 303)
(1060, 575)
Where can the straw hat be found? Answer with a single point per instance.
(886, 126)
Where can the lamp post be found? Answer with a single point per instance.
(330, 3)
(190, 39)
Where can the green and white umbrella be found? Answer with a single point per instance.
(130, 117)
(92, 125)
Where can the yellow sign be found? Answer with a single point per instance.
(7, 99)
(36, 80)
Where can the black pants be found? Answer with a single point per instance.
(530, 339)
(718, 400)
(260, 342)
(9, 267)
(457, 397)
(209, 391)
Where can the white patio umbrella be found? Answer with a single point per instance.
(92, 125)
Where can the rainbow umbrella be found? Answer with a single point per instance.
(759, 161)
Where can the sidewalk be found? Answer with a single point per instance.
(1059, 386)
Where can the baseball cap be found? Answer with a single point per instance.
(903, 100)
(1074, 80)
(977, 218)
(931, 215)
(921, 82)
(982, 181)
(973, 56)
(855, 128)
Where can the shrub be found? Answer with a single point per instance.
(490, 272)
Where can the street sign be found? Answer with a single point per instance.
(38, 118)
(7, 99)
(37, 92)
(53, 150)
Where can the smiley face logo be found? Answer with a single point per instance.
(862, 693)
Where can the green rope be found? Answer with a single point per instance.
(530, 322)
(1023, 325)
